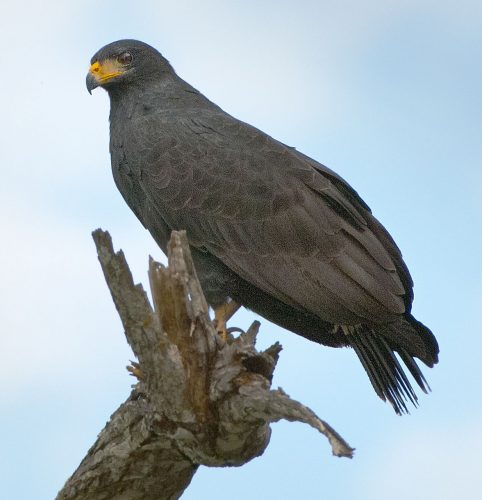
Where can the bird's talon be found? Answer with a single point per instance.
(235, 329)
(221, 316)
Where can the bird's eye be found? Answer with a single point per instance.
(125, 58)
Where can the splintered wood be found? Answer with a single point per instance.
(198, 400)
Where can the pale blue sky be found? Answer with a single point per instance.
(387, 93)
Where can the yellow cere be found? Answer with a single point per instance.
(106, 70)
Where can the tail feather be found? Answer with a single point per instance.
(415, 338)
(385, 371)
(393, 365)
(414, 370)
(377, 377)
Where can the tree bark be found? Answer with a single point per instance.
(199, 399)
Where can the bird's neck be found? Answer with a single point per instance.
(170, 93)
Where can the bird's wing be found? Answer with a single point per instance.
(275, 217)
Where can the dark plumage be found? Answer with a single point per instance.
(268, 226)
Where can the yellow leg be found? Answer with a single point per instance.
(222, 315)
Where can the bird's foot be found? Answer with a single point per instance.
(222, 314)
(235, 329)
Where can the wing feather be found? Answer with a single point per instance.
(275, 217)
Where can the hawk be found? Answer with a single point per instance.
(269, 228)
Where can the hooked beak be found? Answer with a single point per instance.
(102, 72)
(91, 82)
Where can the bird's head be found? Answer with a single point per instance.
(123, 63)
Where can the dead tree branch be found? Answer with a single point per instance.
(199, 400)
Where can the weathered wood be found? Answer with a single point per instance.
(199, 400)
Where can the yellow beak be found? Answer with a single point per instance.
(99, 73)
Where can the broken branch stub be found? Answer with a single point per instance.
(199, 400)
